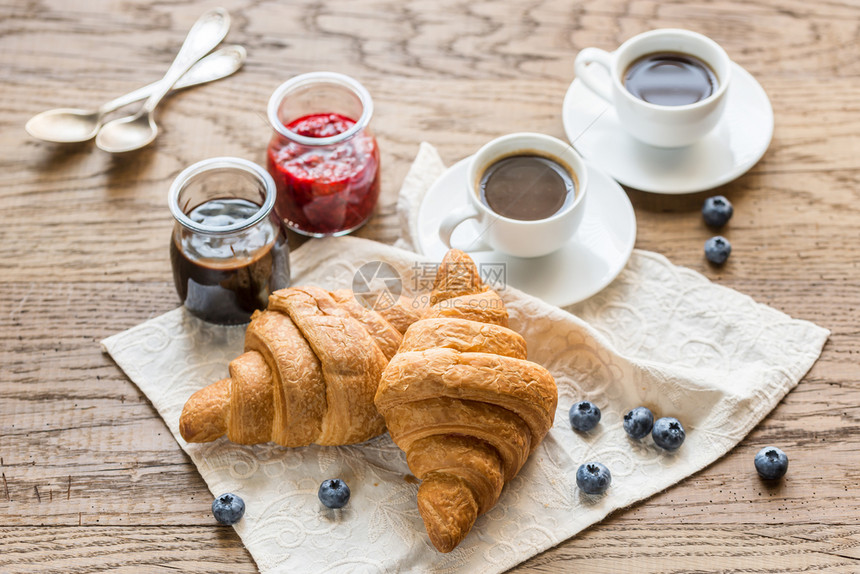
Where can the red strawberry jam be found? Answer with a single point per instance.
(326, 189)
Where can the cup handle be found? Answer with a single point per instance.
(453, 220)
(581, 68)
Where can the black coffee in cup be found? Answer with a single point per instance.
(670, 79)
(526, 187)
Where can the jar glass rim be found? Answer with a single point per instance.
(322, 77)
(220, 163)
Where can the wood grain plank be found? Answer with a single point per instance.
(601, 550)
(74, 550)
(489, 38)
(682, 549)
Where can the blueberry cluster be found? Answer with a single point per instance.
(717, 211)
(638, 423)
(667, 432)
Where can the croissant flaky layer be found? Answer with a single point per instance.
(464, 403)
(309, 373)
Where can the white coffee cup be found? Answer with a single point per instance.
(520, 238)
(657, 125)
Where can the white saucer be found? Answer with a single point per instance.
(585, 265)
(733, 147)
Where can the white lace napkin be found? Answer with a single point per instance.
(660, 335)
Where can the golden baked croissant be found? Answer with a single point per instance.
(309, 373)
(463, 402)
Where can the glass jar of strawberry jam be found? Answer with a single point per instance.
(322, 156)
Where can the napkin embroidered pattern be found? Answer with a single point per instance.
(659, 335)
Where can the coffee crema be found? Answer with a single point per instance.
(526, 187)
(670, 79)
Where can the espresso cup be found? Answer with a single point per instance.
(658, 125)
(518, 237)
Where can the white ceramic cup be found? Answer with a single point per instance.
(513, 236)
(661, 126)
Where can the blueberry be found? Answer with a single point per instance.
(638, 422)
(771, 463)
(718, 249)
(668, 433)
(593, 478)
(228, 509)
(584, 416)
(334, 493)
(717, 211)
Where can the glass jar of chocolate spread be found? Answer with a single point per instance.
(228, 248)
(323, 156)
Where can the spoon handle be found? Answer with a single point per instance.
(217, 65)
(206, 33)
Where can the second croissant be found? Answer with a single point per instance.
(464, 403)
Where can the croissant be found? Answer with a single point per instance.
(309, 373)
(464, 404)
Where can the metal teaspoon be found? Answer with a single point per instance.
(136, 131)
(70, 125)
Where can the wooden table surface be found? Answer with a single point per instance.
(91, 478)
